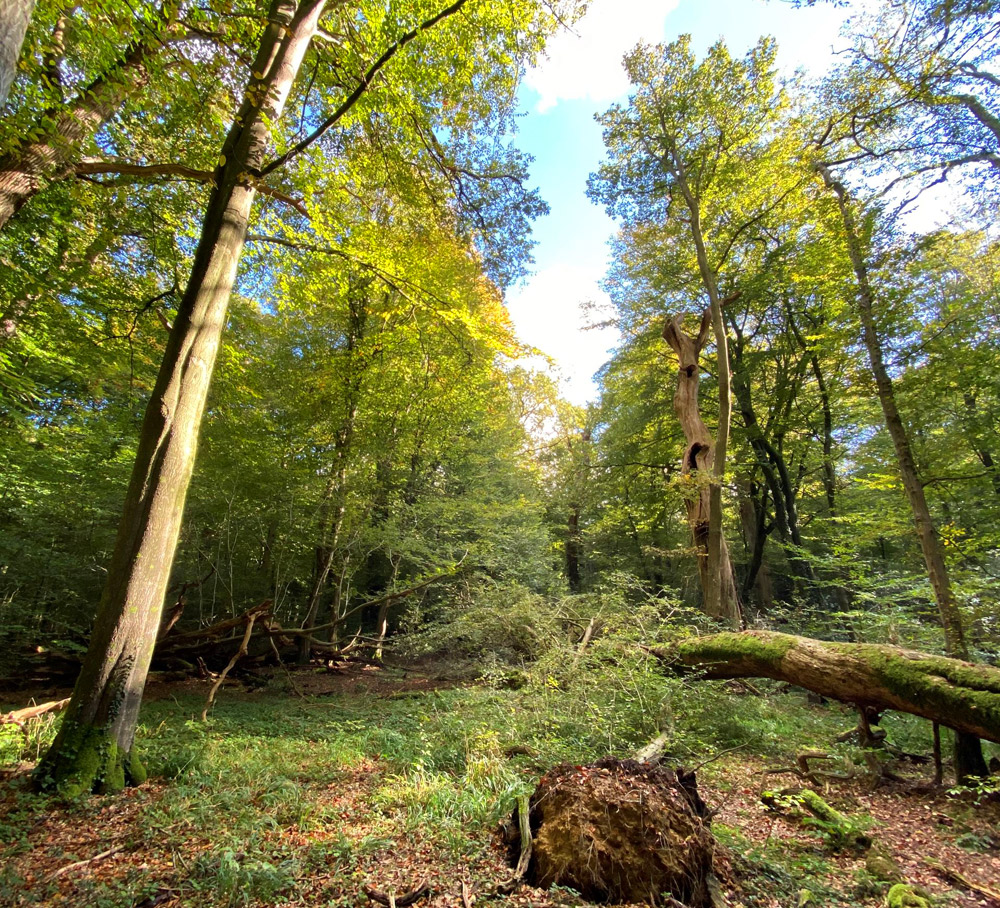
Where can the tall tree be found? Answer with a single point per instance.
(14, 18)
(691, 154)
(94, 746)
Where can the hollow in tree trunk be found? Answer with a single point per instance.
(722, 602)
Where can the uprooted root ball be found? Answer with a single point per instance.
(621, 831)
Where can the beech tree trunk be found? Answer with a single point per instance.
(14, 18)
(961, 695)
(718, 584)
(54, 146)
(93, 750)
(573, 546)
(335, 496)
(969, 759)
(775, 472)
(753, 514)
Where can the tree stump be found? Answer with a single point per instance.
(621, 831)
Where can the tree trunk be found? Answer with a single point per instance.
(958, 694)
(755, 532)
(719, 589)
(14, 18)
(775, 472)
(93, 750)
(721, 597)
(985, 456)
(54, 146)
(573, 549)
(968, 753)
(336, 490)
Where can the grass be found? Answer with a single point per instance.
(281, 800)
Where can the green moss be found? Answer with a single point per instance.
(87, 759)
(113, 779)
(936, 681)
(903, 895)
(135, 769)
(881, 865)
(769, 648)
(821, 810)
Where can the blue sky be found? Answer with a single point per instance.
(583, 76)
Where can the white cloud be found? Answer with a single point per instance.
(587, 61)
(547, 314)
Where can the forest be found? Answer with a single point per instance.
(316, 589)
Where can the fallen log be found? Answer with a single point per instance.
(953, 876)
(19, 716)
(960, 695)
(214, 632)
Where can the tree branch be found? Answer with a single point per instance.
(91, 167)
(360, 89)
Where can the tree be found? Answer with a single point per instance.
(94, 746)
(894, 104)
(14, 18)
(51, 146)
(690, 155)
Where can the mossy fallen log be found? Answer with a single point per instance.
(838, 830)
(957, 694)
(903, 895)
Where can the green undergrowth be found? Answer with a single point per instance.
(275, 789)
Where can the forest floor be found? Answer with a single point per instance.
(304, 792)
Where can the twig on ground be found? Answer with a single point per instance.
(524, 828)
(281, 662)
(389, 899)
(953, 876)
(77, 864)
(19, 716)
(719, 756)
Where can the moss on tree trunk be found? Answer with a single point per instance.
(90, 760)
(957, 694)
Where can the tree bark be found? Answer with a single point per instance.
(93, 750)
(968, 753)
(720, 592)
(335, 495)
(718, 584)
(573, 546)
(775, 471)
(54, 143)
(753, 514)
(14, 18)
(952, 692)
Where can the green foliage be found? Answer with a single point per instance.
(978, 790)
